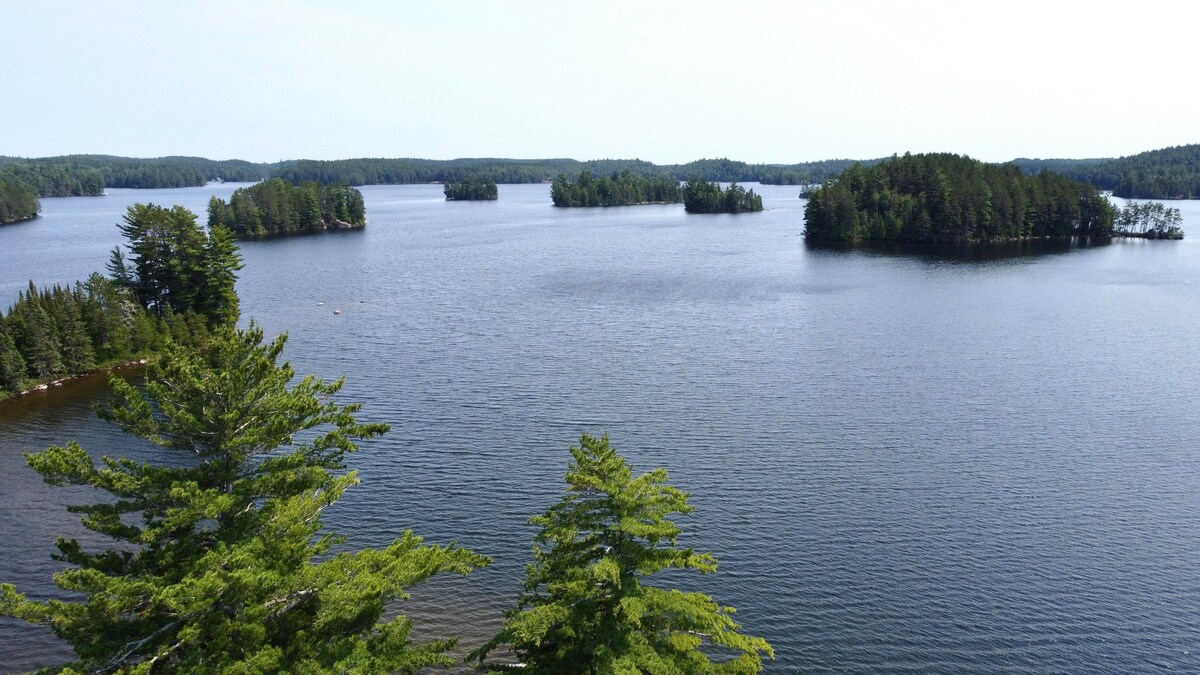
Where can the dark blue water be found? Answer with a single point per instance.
(930, 461)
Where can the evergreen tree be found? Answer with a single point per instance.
(12, 365)
(222, 566)
(586, 607)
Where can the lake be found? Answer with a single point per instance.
(905, 460)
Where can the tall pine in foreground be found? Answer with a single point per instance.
(222, 566)
(587, 606)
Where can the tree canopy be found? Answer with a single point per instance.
(222, 565)
(621, 189)
(276, 207)
(17, 201)
(700, 196)
(474, 189)
(588, 606)
(952, 198)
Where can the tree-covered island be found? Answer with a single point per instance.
(620, 189)
(276, 207)
(700, 196)
(471, 189)
(952, 198)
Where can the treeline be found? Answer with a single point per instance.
(276, 207)
(176, 282)
(474, 189)
(952, 198)
(51, 333)
(1151, 220)
(55, 180)
(1167, 173)
(17, 201)
(399, 171)
(129, 172)
(700, 196)
(620, 189)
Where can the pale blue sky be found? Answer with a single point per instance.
(662, 81)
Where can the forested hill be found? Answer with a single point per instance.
(411, 170)
(1169, 173)
(97, 172)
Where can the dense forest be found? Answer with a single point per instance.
(700, 196)
(55, 180)
(620, 189)
(276, 207)
(129, 172)
(177, 282)
(471, 189)
(17, 201)
(393, 171)
(952, 198)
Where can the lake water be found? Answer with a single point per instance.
(905, 461)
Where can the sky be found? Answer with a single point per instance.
(667, 82)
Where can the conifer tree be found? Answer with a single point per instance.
(12, 365)
(587, 607)
(221, 566)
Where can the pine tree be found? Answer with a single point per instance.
(12, 365)
(586, 607)
(221, 566)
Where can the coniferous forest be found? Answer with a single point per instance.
(700, 196)
(172, 280)
(276, 207)
(952, 198)
(471, 189)
(620, 189)
(17, 201)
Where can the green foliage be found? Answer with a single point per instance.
(952, 198)
(396, 171)
(222, 565)
(175, 265)
(700, 196)
(61, 331)
(17, 201)
(55, 180)
(1151, 220)
(89, 174)
(620, 189)
(587, 607)
(276, 207)
(471, 189)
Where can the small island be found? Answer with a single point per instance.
(276, 207)
(953, 199)
(471, 189)
(620, 189)
(1149, 220)
(700, 196)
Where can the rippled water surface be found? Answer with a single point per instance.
(905, 461)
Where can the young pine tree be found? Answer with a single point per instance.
(222, 566)
(587, 607)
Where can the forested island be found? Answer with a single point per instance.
(1149, 220)
(952, 198)
(17, 201)
(471, 189)
(700, 196)
(276, 207)
(620, 189)
(176, 282)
